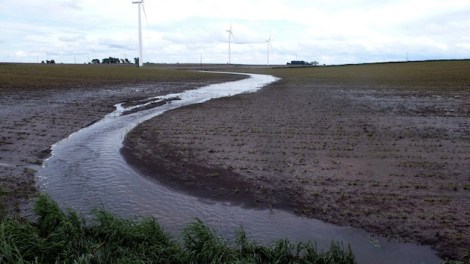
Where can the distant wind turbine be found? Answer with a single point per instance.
(230, 34)
(268, 46)
(140, 4)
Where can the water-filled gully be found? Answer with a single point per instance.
(87, 171)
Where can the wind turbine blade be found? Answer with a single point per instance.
(230, 35)
(269, 40)
(230, 30)
(145, 14)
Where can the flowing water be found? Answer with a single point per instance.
(86, 171)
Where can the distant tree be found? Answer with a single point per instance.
(95, 61)
(297, 62)
(110, 60)
(127, 61)
(315, 63)
(136, 60)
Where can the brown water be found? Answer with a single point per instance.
(87, 171)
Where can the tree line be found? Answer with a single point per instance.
(299, 62)
(112, 60)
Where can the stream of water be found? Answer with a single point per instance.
(87, 171)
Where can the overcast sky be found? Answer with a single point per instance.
(330, 32)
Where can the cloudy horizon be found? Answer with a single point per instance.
(182, 31)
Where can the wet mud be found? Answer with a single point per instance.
(392, 160)
(32, 119)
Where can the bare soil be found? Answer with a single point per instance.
(393, 160)
(33, 117)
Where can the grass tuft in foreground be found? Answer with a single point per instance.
(59, 236)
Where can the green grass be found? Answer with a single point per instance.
(35, 76)
(428, 75)
(431, 75)
(58, 236)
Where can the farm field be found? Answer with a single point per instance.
(383, 147)
(42, 104)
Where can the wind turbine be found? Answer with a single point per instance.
(230, 34)
(268, 45)
(140, 4)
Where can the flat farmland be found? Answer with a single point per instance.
(383, 147)
(43, 104)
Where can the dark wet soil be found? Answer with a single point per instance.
(32, 119)
(393, 160)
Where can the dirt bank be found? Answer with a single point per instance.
(392, 159)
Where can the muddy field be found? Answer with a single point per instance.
(42, 104)
(382, 147)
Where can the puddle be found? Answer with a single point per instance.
(87, 171)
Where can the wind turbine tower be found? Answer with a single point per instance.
(268, 46)
(140, 4)
(230, 34)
